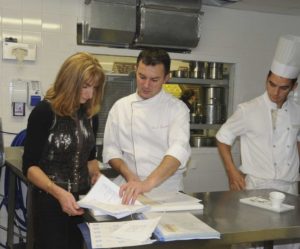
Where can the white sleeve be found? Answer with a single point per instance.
(233, 127)
(179, 135)
(111, 147)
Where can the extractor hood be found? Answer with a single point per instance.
(170, 24)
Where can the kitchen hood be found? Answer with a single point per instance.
(108, 22)
(170, 24)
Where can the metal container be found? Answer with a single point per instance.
(214, 95)
(198, 141)
(180, 73)
(198, 69)
(215, 70)
(214, 114)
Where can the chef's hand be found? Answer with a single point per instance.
(94, 171)
(130, 191)
(67, 201)
(236, 180)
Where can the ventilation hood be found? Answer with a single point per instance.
(170, 24)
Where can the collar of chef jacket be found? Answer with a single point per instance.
(273, 105)
(152, 100)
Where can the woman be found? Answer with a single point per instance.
(59, 152)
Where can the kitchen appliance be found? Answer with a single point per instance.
(174, 25)
(108, 23)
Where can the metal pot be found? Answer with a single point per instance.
(214, 95)
(215, 70)
(214, 114)
(198, 69)
(180, 74)
(198, 141)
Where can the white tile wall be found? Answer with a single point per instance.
(246, 38)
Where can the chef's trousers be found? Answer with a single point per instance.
(52, 228)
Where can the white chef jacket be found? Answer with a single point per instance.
(142, 132)
(267, 153)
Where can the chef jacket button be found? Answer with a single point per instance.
(274, 146)
(288, 128)
(275, 164)
(285, 110)
(288, 146)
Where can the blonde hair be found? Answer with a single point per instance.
(77, 70)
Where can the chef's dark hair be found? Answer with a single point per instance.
(292, 80)
(154, 56)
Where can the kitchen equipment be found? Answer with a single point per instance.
(198, 140)
(214, 95)
(215, 70)
(198, 69)
(171, 24)
(180, 73)
(214, 114)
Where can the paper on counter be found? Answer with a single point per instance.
(257, 201)
(137, 230)
(107, 234)
(170, 201)
(181, 226)
(104, 197)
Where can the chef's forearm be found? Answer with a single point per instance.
(225, 152)
(120, 166)
(167, 168)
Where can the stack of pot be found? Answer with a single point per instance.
(198, 69)
(214, 105)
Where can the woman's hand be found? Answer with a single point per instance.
(66, 200)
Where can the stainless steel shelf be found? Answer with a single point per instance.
(208, 82)
(205, 126)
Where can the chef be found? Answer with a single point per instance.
(146, 136)
(269, 129)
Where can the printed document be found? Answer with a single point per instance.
(121, 234)
(170, 201)
(181, 226)
(104, 198)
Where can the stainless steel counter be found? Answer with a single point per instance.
(237, 222)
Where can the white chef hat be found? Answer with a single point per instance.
(286, 62)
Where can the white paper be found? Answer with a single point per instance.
(181, 226)
(170, 201)
(102, 235)
(260, 202)
(137, 230)
(104, 197)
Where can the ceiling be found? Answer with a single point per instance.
(284, 7)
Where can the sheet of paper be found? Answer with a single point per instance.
(102, 235)
(156, 197)
(104, 197)
(170, 201)
(137, 230)
(181, 226)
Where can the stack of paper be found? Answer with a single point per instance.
(104, 199)
(121, 234)
(181, 226)
(170, 201)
